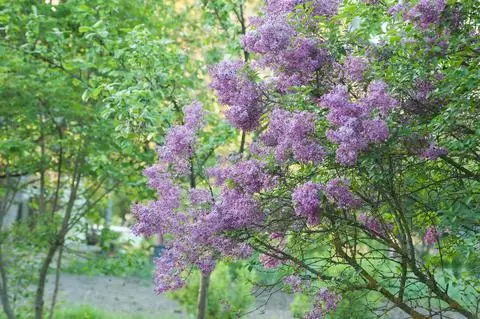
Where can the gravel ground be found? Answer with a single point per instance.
(135, 296)
(115, 295)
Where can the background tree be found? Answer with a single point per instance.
(87, 89)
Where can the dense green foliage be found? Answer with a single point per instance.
(230, 292)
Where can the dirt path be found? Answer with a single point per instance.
(130, 296)
(116, 295)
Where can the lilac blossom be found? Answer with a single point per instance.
(194, 115)
(326, 8)
(274, 7)
(249, 176)
(293, 134)
(431, 236)
(168, 272)
(159, 216)
(354, 68)
(341, 109)
(292, 57)
(296, 66)
(338, 190)
(356, 124)
(376, 131)
(178, 148)
(180, 140)
(432, 152)
(295, 282)
(200, 196)
(235, 209)
(378, 98)
(374, 225)
(324, 302)
(399, 7)
(307, 201)
(236, 90)
(427, 12)
(189, 215)
(274, 35)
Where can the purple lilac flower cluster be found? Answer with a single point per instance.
(374, 225)
(307, 198)
(197, 229)
(295, 282)
(356, 124)
(293, 58)
(427, 12)
(307, 201)
(276, 7)
(326, 8)
(324, 301)
(179, 142)
(431, 236)
(399, 7)
(338, 190)
(293, 133)
(242, 95)
(158, 216)
(249, 175)
(236, 205)
(354, 67)
(432, 152)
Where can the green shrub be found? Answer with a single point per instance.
(87, 312)
(131, 263)
(229, 293)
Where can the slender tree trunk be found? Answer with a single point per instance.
(57, 282)
(202, 296)
(42, 280)
(4, 208)
(7, 308)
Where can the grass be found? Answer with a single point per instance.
(87, 312)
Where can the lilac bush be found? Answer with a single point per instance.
(339, 174)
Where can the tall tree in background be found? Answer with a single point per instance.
(87, 88)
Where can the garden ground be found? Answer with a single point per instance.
(135, 297)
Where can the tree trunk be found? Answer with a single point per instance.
(57, 282)
(202, 297)
(4, 291)
(42, 279)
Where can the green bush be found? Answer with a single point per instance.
(229, 293)
(131, 263)
(87, 312)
